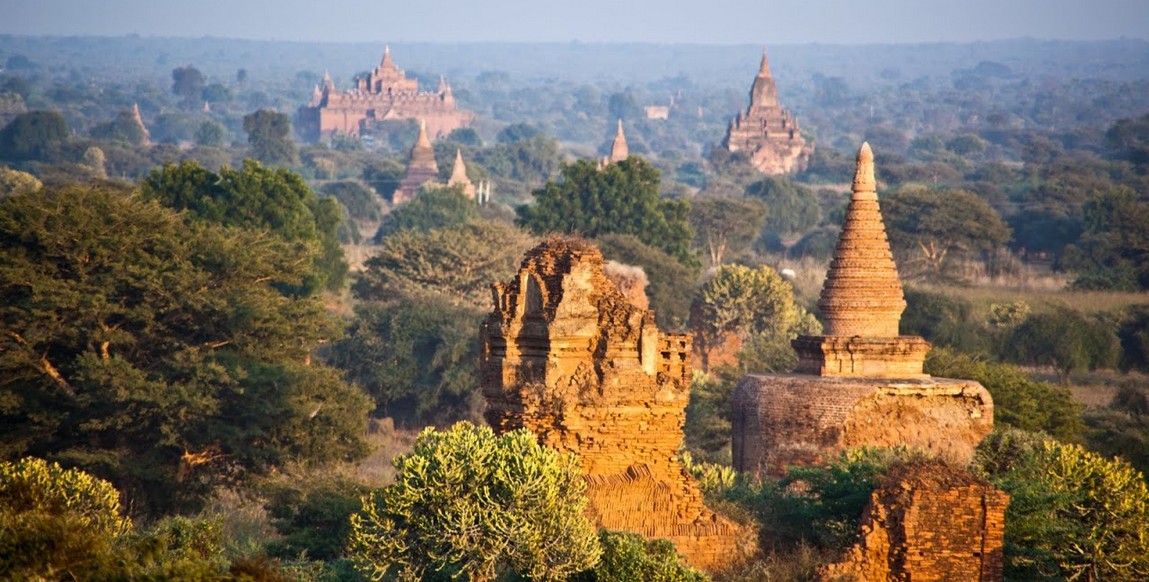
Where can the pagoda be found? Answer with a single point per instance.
(766, 131)
(421, 170)
(861, 383)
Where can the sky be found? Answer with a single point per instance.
(661, 21)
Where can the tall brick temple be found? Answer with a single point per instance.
(384, 94)
(766, 131)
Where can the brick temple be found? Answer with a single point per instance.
(384, 94)
(766, 131)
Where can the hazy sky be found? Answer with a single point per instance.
(695, 21)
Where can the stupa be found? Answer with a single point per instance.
(422, 168)
(861, 383)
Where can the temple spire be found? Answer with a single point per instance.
(386, 62)
(618, 148)
(764, 67)
(862, 295)
(422, 142)
(459, 176)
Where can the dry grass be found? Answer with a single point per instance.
(797, 565)
(1084, 301)
(386, 442)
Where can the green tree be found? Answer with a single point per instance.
(188, 84)
(123, 128)
(161, 353)
(757, 305)
(1066, 340)
(723, 225)
(1113, 252)
(1075, 515)
(931, 228)
(13, 182)
(35, 135)
(790, 208)
(258, 198)
(468, 503)
(210, 134)
(434, 207)
(269, 135)
(620, 198)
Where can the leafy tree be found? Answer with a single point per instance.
(1113, 252)
(790, 208)
(1066, 340)
(670, 283)
(1075, 515)
(257, 198)
(269, 135)
(627, 557)
(947, 320)
(466, 136)
(725, 224)
(516, 132)
(35, 135)
(160, 353)
(313, 516)
(936, 226)
(1133, 332)
(361, 203)
(620, 198)
(210, 134)
(433, 207)
(757, 305)
(468, 503)
(1018, 400)
(123, 128)
(818, 244)
(1129, 140)
(14, 182)
(188, 84)
(459, 263)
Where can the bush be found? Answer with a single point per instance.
(469, 504)
(628, 557)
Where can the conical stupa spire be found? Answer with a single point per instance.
(619, 151)
(422, 142)
(764, 66)
(386, 62)
(862, 295)
(459, 176)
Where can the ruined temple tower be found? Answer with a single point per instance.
(766, 131)
(618, 148)
(861, 383)
(568, 356)
(422, 168)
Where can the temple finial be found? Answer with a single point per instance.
(764, 66)
(618, 148)
(864, 182)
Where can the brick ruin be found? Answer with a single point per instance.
(861, 383)
(928, 522)
(568, 356)
(766, 131)
(385, 93)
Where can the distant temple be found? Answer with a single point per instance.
(619, 151)
(422, 170)
(384, 94)
(766, 131)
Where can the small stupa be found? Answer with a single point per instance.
(619, 151)
(459, 176)
(861, 383)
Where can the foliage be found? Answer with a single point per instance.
(468, 503)
(312, 516)
(723, 225)
(35, 135)
(1133, 333)
(756, 304)
(627, 557)
(707, 428)
(946, 320)
(258, 198)
(1113, 252)
(269, 135)
(458, 264)
(188, 84)
(1065, 339)
(361, 203)
(417, 357)
(620, 198)
(1075, 515)
(792, 208)
(670, 283)
(123, 128)
(432, 208)
(1018, 400)
(155, 351)
(934, 227)
(13, 182)
(817, 244)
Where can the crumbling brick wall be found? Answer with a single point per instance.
(566, 355)
(928, 522)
